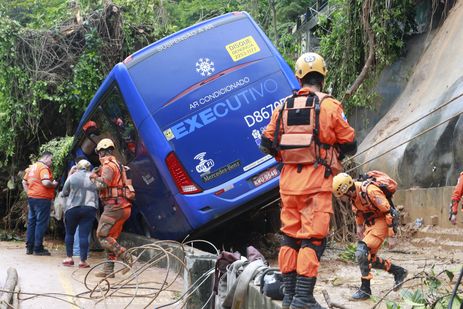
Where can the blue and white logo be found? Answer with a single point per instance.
(204, 165)
(344, 117)
(205, 66)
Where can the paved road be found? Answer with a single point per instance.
(46, 274)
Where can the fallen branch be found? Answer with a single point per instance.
(10, 284)
(421, 275)
(330, 303)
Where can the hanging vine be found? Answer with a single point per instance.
(358, 40)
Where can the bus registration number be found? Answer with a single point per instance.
(265, 176)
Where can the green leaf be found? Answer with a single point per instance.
(450, 275)
(392, 305)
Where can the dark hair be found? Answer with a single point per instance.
(313, 78)
(46, 154)
(92, 130)
(106, 151)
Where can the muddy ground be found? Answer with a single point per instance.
(424, 250)
(429, 249)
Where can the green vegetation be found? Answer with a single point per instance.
(345, 45)
(348, 255)
(60, 147)
(433, 291)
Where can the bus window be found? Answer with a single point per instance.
(111, 119)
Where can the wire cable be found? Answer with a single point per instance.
(407, 126)
(168, 255)
(455, 289)
(404, 142)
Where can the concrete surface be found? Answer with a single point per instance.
(428, 202)
(49, 278)
(197, 263)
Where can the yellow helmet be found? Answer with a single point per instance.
(310, 62)
(105, 143)
(341, 184)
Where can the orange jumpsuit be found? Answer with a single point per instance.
(457, 193)
(117, 207)
(306, 201)
(374, 212)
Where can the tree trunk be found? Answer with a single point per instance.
(366, 9)
(274, 21)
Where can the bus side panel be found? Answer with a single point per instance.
(154, 199)
(154, 209)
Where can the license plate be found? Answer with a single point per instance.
(265, 176)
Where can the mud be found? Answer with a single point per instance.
(428, 249)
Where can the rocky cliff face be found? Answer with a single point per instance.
(434, 77)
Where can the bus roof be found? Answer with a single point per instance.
(181, 35)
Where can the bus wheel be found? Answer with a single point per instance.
(94, 241)
(272, 218)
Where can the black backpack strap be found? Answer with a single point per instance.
(289, 102)
(318, 144)
(316, 130)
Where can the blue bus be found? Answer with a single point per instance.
(186, 114)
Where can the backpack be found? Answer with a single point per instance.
(387, 185)
(220, 290)
(296, 137)
(381, 180)
(129, 191)
(233, 273)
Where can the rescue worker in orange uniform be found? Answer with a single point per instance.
(109, 179)
(40, 187)
(456, 197)
(309, 134)
(374, 225)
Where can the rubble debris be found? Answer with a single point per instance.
(10, 285)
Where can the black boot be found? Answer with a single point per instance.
(399, 276)
(289, 284)
(303, 299)
(364, 292)
(42, 251)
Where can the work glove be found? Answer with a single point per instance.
(453, 219)
(266, 146)
(453, 208)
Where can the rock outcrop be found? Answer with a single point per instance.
(435, 158)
